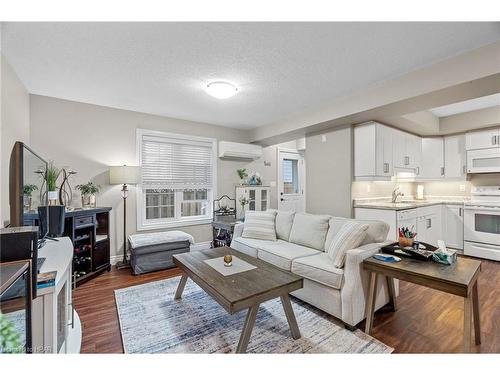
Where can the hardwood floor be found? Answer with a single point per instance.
(427, 321)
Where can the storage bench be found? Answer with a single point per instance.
(153, 251)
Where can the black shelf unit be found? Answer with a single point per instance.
(88, 229)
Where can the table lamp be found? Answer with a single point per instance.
(124, 175)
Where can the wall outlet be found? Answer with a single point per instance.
(462, 187)
(368, 188)
(323, 138)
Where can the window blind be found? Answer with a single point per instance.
(175, 163)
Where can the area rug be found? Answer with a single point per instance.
(151, 321)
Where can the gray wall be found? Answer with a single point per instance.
(15, 126)
(90, 138)
(329, 172)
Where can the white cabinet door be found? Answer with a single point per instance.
(399, 150)
(414, 152)
(453, 226)
(429, 227)
(482, 139)
(383, 150)
(454, 157)
(432, 164)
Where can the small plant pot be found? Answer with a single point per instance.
(53, 197)
(405, 242)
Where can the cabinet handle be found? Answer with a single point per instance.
(386, 167)
(460, 211)
(417, 170)
(407, 160)
(429, 223)
(494, 140)
(442, 171)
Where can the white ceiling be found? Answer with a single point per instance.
(282, 69)
(467, 106)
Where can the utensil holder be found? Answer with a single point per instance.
(404, 242)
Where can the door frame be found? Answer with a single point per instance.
(302, 174)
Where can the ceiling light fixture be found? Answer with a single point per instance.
(221, 90)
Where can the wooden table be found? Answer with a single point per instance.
(459, 279)
(244, 290)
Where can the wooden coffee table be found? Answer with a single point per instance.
(245, 290)
(459, 279)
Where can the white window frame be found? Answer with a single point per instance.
(142, 223)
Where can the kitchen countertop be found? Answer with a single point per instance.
(405, 204)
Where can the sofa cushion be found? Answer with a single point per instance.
(348, 237)
(281, 253)
(260, 225)
(284, 222)
(376, 232)
(319, 268)
(309, 230)
(248, 246)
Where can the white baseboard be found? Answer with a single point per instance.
(198, 246)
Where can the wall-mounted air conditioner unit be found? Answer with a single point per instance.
(233, 150)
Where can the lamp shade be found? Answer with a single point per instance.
(123, 174)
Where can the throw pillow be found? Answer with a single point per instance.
(284, 221)
(309, 230)
(348, 237)
(260, 225)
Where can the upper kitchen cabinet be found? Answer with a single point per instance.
(480, 139)
(407, 150)
(373, 151)
(432, 163)
(454, 157)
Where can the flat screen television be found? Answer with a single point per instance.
(28, 187)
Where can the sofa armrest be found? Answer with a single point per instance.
(238, 230)
(355, 288)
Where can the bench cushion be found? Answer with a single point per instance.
(247, 246)
(319, 268)
(281, 253)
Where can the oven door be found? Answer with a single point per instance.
(482, 224)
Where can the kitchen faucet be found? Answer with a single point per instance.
(395, 194)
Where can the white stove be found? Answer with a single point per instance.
(482, 223)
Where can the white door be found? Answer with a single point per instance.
(414, 152)
(399, 153)
(383, 150)
(453, 226)
(291, 181)
(432, 158)
(454, 156)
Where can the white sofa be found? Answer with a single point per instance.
(340, 292)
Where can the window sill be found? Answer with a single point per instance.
(174, 224)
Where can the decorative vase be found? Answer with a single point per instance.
(53, 196)
(92, 200)
(27, 203)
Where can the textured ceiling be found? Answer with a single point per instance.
(282, 69)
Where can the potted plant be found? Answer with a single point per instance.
(88, 192)
(51, 175)
(242, 173)
(27, 193)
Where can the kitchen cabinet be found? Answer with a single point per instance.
(432, 164)
(258, 199)
(453, 226)
(487, 138)
(407, 150)
(373, 147)
(454, 157)
(429, 228)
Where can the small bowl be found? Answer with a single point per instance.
(404, 242)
